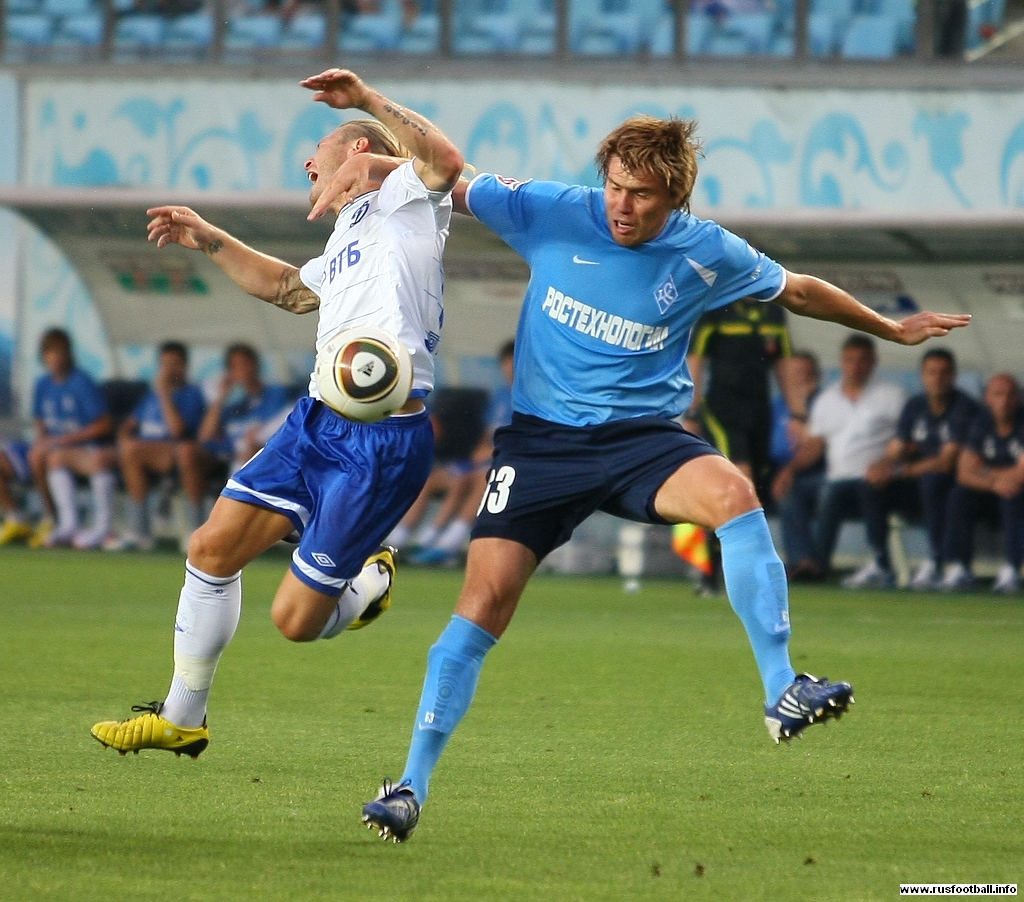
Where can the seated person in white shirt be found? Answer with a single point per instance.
(850, 424)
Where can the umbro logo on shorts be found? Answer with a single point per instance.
(324, 560)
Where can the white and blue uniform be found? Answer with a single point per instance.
(345, 485)
(607, 325)
(65, 407)
(239, 417)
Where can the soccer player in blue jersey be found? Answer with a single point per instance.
(990, 480)
(71, 422)
(618, 278)
(160, 437)
(336, 486)
(231, 429)
(918, 470)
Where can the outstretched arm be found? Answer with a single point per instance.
(262, 276)
(809, 296)
(438, 162)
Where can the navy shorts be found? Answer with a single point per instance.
(546, 479)
(344, 486)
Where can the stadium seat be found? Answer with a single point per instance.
(253, 32)
(22, 6)
(305, 31)
(743, 33)
(139, 32)
(605, 27)
(840, 11)
(422, 35)
(487, 32)
(537, 26)
(902, 12)
(70, 7)
(27, 30)
(83, 30)
(870, 37)
(367, 33)
(699, 28)
(191, 32)
(823, 34)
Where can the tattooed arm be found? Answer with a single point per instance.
(438, 162)
(261, 275)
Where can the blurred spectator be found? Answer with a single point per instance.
(851, 423)
(232, 429)
(14, 470)
(951, 28)
(797, 483)
(990, 480)
(918, 470)
(159, 438)
(459, 485)
(71, 419)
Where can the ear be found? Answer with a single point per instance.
(361, 145)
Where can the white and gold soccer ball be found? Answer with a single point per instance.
(364, 373)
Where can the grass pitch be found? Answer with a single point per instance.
(616, 749)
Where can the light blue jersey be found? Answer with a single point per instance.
(604, 328)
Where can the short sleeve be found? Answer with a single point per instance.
(312, 273)
(745, 272)
(404, 185)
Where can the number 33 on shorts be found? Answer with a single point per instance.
(498, 484)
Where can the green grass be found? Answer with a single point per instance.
(616, 749)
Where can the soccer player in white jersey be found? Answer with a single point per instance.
(338, 486)
(618, 278)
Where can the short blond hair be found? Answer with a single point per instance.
(665, 148)
(381, 139)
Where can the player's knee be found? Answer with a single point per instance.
(736, 496)
(293, 622)
(210, 551)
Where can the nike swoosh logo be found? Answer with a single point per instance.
(576, 259)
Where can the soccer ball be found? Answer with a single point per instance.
(364, 373)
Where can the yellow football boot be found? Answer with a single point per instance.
(151, 731)
(41, 533)
(14, 531)
(385, 561)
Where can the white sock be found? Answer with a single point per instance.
(208, 612)
(62, 487)
(136, 522)
(103, 485)
(357, 596)
(399, 536)
(454, 536)
(426, 536)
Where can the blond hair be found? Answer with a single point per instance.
(665, 148)
(382, 141)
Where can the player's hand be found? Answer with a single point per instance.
(922, 326)
(338, 88)
(349, 180)
(180, 225)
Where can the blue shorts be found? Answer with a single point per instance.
(16, 452)
(546, 479)
(344, 486)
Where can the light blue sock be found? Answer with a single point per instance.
(453, 668)
(755, 580)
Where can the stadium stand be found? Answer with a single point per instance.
(70, 30)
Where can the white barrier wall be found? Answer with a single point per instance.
(871, 150)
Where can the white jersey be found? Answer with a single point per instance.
(382, 267)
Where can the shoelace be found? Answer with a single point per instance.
(151, 708)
